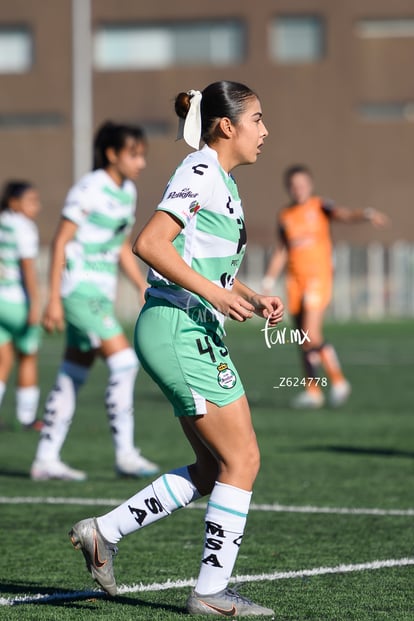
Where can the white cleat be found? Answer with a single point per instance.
(47, 470)
(308, 400)
(339, 393)
(133, 464)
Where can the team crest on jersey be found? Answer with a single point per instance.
(226, 377)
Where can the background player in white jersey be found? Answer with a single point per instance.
(194, 244)
(91, 242)
(19, 296)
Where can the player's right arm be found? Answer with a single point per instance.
(53, 316)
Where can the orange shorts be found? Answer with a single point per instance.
(308, 292)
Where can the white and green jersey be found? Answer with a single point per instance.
(104, 214)
(205, 199)
(19, 239)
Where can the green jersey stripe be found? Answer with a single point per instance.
(218, 225)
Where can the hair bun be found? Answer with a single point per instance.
(182, 105)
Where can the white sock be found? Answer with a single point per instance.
(119, 398)
(165, 495)
(59, 410)
(225, 521)
(27, 400)
(2, 391)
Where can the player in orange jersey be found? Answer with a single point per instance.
(306, 247)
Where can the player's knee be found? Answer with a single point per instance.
(124, 361)
(243, 465)
(252, 459)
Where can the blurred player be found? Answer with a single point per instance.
(19, 296)
(306, 247)
(194, 244)
(91, 242)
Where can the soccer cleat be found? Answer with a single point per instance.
(308, 400)
(97, 552)
(46, 470)
(36, 425)
(133, 464)
(226, 603)
(339, 393)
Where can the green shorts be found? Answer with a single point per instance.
(14, 328)
(186, 357)
(90, 319)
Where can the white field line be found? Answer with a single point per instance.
(40, 598)
(273, 508)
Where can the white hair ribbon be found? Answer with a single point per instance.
(190, 127)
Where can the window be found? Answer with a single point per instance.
(297, 39)
(385, 28)
(15, 50)
(119, 47)
(33, 120)
(387, 111)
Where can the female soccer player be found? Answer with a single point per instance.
(19, 296)
(92, 240)
(306, 247)
(194, 244)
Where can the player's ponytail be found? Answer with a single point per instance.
(182, 105)
(218, 100)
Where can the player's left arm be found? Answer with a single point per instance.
(268, 307)
(130, 267)
(351, 216)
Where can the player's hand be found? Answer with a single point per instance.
(269, 307)
(53, 316)
(378, 219)
(232, 305)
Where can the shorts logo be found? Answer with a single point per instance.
(108, 322)
(226, 377)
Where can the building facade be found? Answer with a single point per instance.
(334, 80)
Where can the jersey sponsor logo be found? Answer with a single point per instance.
(226, 377)
(194, 207)
(197, 167)
(184, 193)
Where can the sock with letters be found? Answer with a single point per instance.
(119, 399)
(165, 495)
(59, 410)
(225, 521)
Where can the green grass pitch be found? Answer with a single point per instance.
(359, 456)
